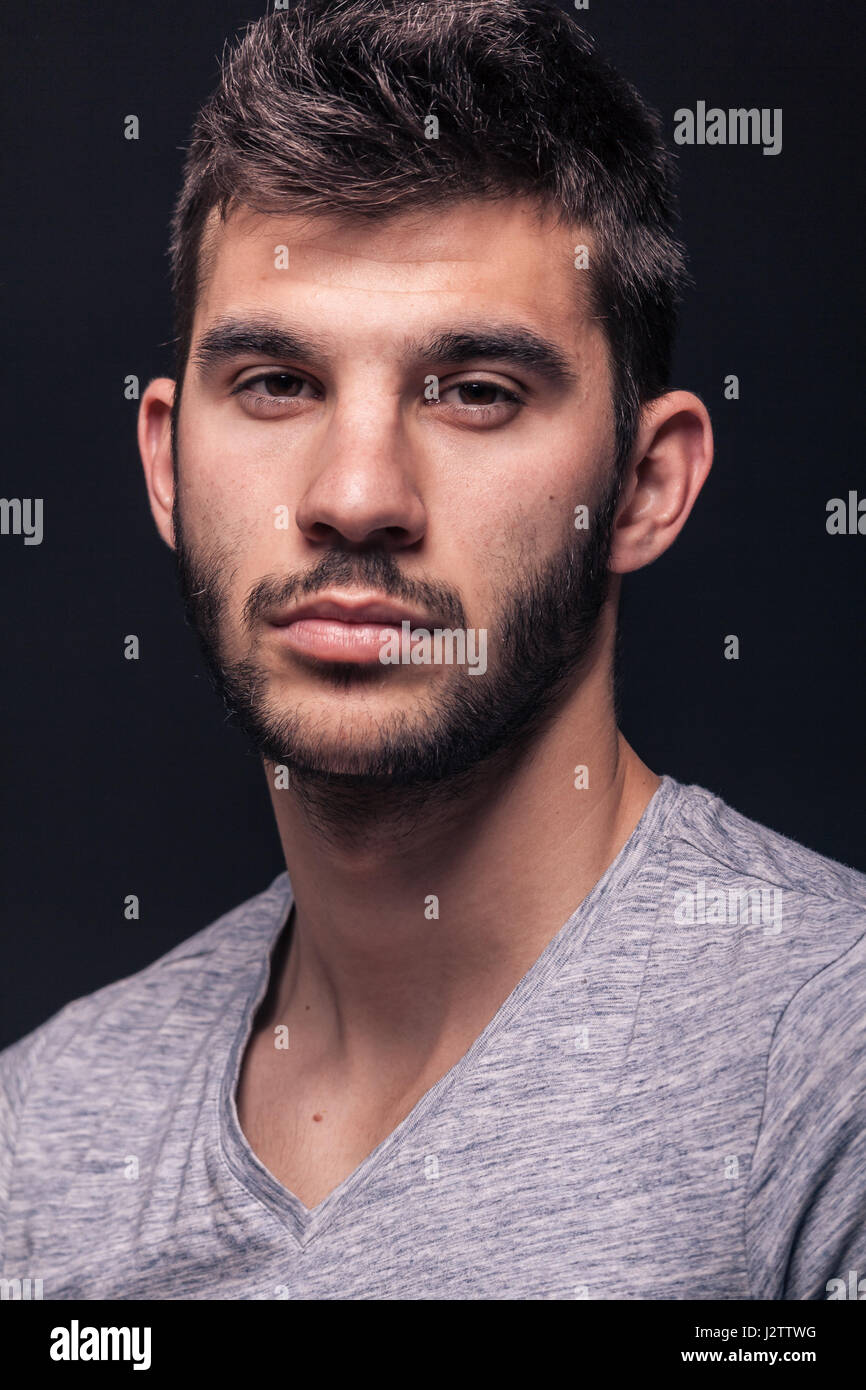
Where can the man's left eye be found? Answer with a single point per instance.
(482, 393)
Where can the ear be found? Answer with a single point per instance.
(672, 455)
(154, 445)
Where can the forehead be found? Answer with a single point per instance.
(506, 255)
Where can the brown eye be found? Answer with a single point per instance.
(475, 402)
(271, 393)
(479, 392)
(277, 384)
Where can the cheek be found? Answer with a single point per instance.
(483, 553)
(227, 496)
(488, 532)
(508, 528)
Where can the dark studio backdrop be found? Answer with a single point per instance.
(123, 776)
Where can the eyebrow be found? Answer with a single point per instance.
(513, 343)
(516, 344)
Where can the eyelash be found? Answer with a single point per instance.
(482, 412)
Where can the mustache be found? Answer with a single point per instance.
(372, 569)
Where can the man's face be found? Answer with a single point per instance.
(323, 467)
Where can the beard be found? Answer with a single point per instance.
(468, 726)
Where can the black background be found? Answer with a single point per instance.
(123, 777)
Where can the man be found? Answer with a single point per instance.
(522, 1019)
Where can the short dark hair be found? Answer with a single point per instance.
(321, 110)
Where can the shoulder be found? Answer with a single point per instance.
(806, 1202)
(769, 936)
(773, 938)
(729, 872)
(729, 840)
(58, 1079)
(211, 958)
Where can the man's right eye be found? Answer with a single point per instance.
(270, 392)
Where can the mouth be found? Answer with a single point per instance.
(350, 629)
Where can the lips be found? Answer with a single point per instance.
(345, 610)
(343, 629)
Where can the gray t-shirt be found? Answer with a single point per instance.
(671, 1104)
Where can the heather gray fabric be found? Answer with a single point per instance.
(663, 1108)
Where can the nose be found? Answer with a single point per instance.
(364, 487)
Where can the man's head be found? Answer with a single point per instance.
(426, 285)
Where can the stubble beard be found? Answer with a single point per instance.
(465, 736)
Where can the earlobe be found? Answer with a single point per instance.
(154, 444)
(672, 458)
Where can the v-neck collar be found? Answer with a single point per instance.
(305, 1223)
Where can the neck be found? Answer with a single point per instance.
(416, 939)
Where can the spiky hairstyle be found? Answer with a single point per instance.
(321, 110)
